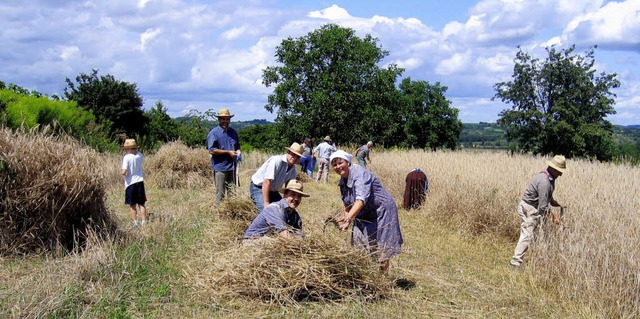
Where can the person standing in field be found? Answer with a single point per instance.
(362, 153)
(534, 206)
(135, 195)
(371, 209)
(272, 175)
(305, 160)
(224, 146)
(279, 217)
(322, 153)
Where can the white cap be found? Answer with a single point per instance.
(340, 154)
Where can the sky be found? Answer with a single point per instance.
(202, 55)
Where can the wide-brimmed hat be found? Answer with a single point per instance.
(296, 148)
(558, 162)
(224, 113)
(340, 154)
(327, 138)
(130, 143)
(294, 186)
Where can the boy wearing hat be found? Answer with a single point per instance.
(535, 205)
(135, 195)
(224, 146)
(322, 152)
(272, 175)
(281, 216)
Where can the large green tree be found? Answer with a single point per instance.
(429, 120)
(115, 103)
(559, 105)
(329, 83)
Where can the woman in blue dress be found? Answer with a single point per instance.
(370, 207)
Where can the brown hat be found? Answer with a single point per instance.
(327, 138)
(130, 143)
(224, 113)
(296, 149)
(559, 163)
(295, 186)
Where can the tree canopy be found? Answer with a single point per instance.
(559, 105)
(329, 83)
(112, 101)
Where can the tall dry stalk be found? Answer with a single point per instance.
(594, 258)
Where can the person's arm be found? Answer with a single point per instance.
(218, 151)
(124, 172)
(350, 214)
(266, 185)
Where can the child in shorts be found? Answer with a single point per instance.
(135, 195)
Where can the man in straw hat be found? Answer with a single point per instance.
(272, 175)
(322, 153)
(535, 205)
(224, 147)
(280, 217)
(135, 195)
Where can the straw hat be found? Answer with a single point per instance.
(296, 148)
(224, 113)
(559, 163)
(294, 186)
(340, 154)
(327, 139)
(130, 143)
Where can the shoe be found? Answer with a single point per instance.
(142, 223)
(515, 266)
(134, 223)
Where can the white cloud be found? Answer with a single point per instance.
(194, 55)
(617, 24)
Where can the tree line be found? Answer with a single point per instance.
(330, 82)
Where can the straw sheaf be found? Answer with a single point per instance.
(176, 165)
(51, 193)
(293, 271)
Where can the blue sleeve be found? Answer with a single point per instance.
(211, 141)
(275, 217)
(362, 185)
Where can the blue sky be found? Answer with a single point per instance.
(200, 55)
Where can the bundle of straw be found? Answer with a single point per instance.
(51, 193)
(176, 165)
(312, 269)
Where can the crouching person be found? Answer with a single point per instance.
(279, 217)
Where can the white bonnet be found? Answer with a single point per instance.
(340, 154)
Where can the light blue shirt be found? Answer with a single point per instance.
(324, 150)
(275, 169)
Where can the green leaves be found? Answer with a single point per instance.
(559, 105)
(330, 84)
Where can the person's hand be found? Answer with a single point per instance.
(343, 222)
(343, 226)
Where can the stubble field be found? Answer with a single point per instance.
(453, 265)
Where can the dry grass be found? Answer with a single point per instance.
(286, 272)
(176, 165)
(189, 261)
(51, 193)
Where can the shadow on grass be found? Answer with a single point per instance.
(404, 283)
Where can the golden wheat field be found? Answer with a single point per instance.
(188, 262)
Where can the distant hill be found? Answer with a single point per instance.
(483, 135)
